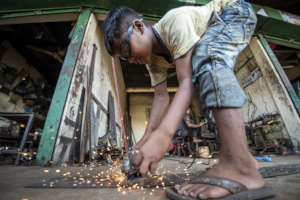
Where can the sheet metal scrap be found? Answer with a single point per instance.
(103, 182)
(161, 181)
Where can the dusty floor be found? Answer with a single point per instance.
(14, 179)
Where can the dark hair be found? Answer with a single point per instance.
(117, 22)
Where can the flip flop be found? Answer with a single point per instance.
(237, 190)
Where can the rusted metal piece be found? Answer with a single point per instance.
(100, 104)
(112, 118)
(87, 126)
(161, 181)
(75, 150)
(119, 104)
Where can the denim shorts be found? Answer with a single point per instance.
(215, 55)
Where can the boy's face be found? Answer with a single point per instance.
(135, 45)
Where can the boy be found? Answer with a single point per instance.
(203, 44)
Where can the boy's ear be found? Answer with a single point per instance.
(138, 25)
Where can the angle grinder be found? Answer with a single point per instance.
(128, 166)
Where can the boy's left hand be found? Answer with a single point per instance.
(152, 151)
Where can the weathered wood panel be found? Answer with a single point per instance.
(279, 93)
(79, 80)
(101, 85)
(55, 115)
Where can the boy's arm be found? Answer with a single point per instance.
(156, 145)
(159, 106)
(191, 125)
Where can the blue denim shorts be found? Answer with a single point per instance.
(215, 55)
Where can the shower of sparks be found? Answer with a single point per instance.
(99, 175)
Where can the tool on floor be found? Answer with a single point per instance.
(128, 166)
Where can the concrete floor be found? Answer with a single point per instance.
(14, 179)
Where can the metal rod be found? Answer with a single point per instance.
(27, 129)
(119, 104)
(28, 126)
(87, 125)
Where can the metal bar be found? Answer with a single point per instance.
(99, 103)
(281, 73)
(119, 103)
(24, 138)
(48, 139)
(286, 42)
(102, 107)
(112, 117)
(148, 90)
(39, 12)
(27, 129)
(87, 125)
(75, 154)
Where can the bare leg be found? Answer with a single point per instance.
(235, 161)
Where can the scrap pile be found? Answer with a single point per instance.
(264, 134)
(17, 144)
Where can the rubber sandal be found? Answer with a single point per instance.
(237, 190)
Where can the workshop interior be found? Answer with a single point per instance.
(64, 101)
(29, 73)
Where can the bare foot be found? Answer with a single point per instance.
(249, 176)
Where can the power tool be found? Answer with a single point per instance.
(128, 166)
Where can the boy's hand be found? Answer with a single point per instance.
(152, 151)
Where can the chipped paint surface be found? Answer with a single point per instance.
(55, 112)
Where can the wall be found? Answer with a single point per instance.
(139, 104)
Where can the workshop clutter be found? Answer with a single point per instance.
(29, 70)
(17, 144)
(265, 135)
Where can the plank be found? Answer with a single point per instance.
(52, 124)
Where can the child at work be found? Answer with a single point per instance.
(202, 43)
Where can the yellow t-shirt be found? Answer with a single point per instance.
(180, 29)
